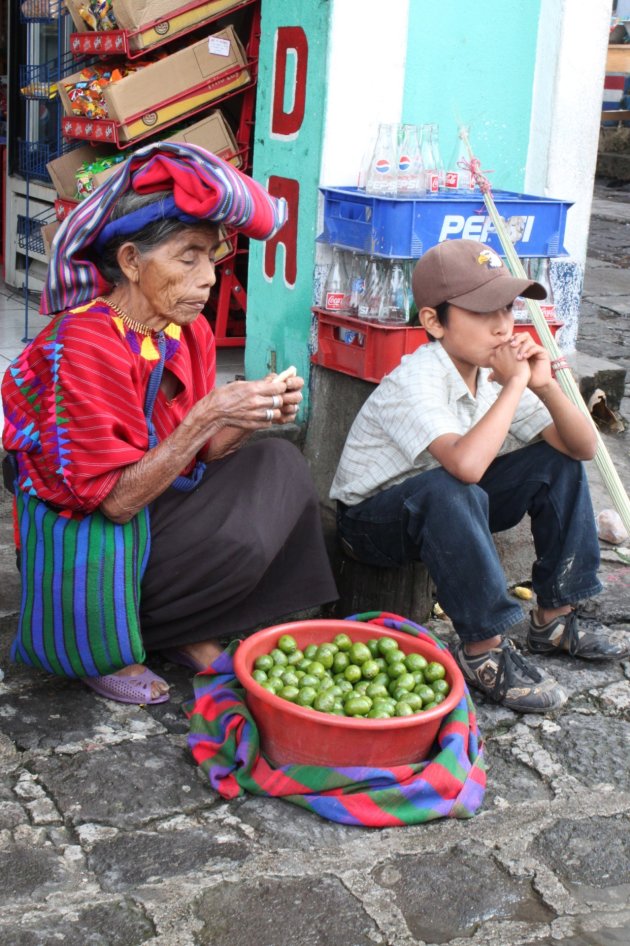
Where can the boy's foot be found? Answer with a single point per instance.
(507, 678)
(576, 636)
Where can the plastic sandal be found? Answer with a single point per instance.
(133, 689)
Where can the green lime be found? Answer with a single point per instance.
(274, 684)
(306, 696)
(414, 701)
(434, 671)
(359, 653)
(287, 644)
(289, 678)
(403, 709)
(259, 676)
(304, 664)
(439, 698)
(352, 673)
(310, 650)
(373, 647)
(357, 705)
(309, 680)
(340, 662)
(361, 686)
(418, 677)
(278, 656)
(324, 701)
(399, 693)
(430, 705)
(406, 681)
(264, 662)
(316, 669)
(369, 669)
(325, 657)
(295, 658)
(394, 656)
(441, 686)
(395, 670)
(345, 686)
(289, 693)
(268, 685)
(276, 671)
(379, 712)
(381, 678)
(385, 644)
(376, 690)
(342, 641)
(415, 662)
(326, 682)
(426, 694)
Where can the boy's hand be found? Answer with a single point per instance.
(506, 364)
(540, 374)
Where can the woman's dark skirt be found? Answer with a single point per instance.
(243, 549)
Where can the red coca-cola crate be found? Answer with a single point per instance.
(370, 350)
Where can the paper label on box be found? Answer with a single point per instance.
(219, 46)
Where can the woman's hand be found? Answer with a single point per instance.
(248, 405)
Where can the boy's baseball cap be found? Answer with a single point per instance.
(470, 275)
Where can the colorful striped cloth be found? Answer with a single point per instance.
(202, 184)
(224, 741)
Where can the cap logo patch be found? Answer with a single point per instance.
(489, 259)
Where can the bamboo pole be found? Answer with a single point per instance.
(561, 369)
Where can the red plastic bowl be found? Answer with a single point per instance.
(292, 734)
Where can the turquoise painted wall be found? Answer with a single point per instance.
(473, 63)
(279, 303)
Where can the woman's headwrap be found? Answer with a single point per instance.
(202, 187)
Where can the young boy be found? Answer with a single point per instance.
(463, 439)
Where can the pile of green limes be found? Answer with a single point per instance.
(375, 680)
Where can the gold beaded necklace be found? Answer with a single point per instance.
(133, 324)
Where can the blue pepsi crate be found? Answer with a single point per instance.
(405, 228)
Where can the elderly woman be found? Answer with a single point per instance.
(235, 536)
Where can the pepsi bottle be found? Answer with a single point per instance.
(382, 172)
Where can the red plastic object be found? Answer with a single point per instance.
(63, 207)
(365, 350)
(292, 734)
(370, 350)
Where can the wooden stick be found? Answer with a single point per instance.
(561, 369)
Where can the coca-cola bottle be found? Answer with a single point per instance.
(370, 301)
(458, 179)
(394, 307)
(431, 172)
(337, 287)
(382, 172)
(410, 171)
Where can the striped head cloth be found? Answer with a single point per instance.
(202, 186)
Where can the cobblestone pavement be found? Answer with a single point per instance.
(109, 836)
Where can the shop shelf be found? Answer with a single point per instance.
(124, 42)
(108, 131)
(29, 231)
(41, 11)
(40, 81)
(405, 228)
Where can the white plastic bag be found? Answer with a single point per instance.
(610, 528)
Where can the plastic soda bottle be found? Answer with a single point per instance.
(382, 172)
(394, 307)
(337, 287)
(410, 180)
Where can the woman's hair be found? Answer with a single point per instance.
(441, 310)
(146, 239)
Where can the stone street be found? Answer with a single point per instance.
(109, 835)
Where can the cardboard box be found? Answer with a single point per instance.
(172, 87)
(212, 133)
(155, 21)
(172, 19)
(48, 234)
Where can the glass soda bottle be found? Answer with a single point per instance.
(410, 180)
(358, 266)
(519, 309)
(437, 155)
(431, 173)
(394, 307)
(458, 179)
(370, 301)
(337, 287)
(539, 269)
(382, 172)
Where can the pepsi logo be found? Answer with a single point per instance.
(383, 166)
(404, 162)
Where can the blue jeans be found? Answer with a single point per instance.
(447, 524)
